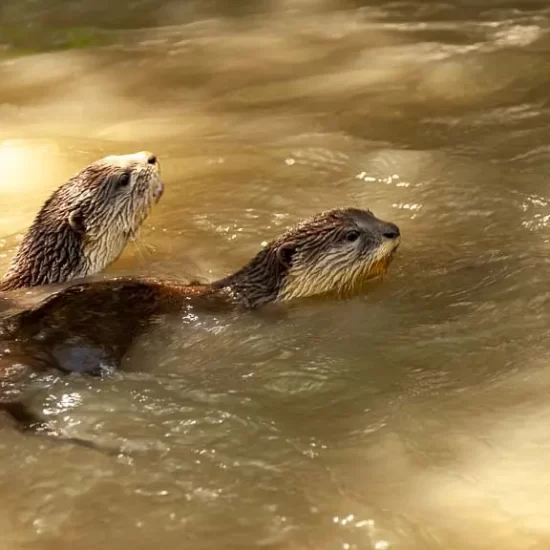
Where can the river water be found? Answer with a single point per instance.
(415, 417)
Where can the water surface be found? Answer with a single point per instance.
(415, 417)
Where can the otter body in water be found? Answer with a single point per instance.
(93, 324)
(86, 223)
(88, 327)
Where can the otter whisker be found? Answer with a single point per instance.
(137, 246)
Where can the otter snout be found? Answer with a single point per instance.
(151, 159)
(147, 157)
(391, 231)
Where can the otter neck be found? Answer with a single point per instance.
(257, 283)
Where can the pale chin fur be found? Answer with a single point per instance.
(305, 282)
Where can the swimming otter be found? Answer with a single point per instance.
(89, 327)
(93, 323)
(86, 223)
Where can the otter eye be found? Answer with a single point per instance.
(352, 236)
(124, 180)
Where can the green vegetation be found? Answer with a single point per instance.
(28, 40)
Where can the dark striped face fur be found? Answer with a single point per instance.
(335, 253)
(86, 223)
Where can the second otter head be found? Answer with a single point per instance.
(86, 223)
(118, 193)
(334, 252)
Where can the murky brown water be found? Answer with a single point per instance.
(416, 417)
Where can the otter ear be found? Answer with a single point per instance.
(285, 254)
(76, 221)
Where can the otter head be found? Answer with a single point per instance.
(86, 223)
(335, 252)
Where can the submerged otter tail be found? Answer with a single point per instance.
(24, 420)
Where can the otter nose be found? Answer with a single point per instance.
(391, 231)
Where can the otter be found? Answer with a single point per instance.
(89, 327)
(87, 222)
(333, 253)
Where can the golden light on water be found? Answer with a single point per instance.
(31, 169)
(25, 165)
(13, 159)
